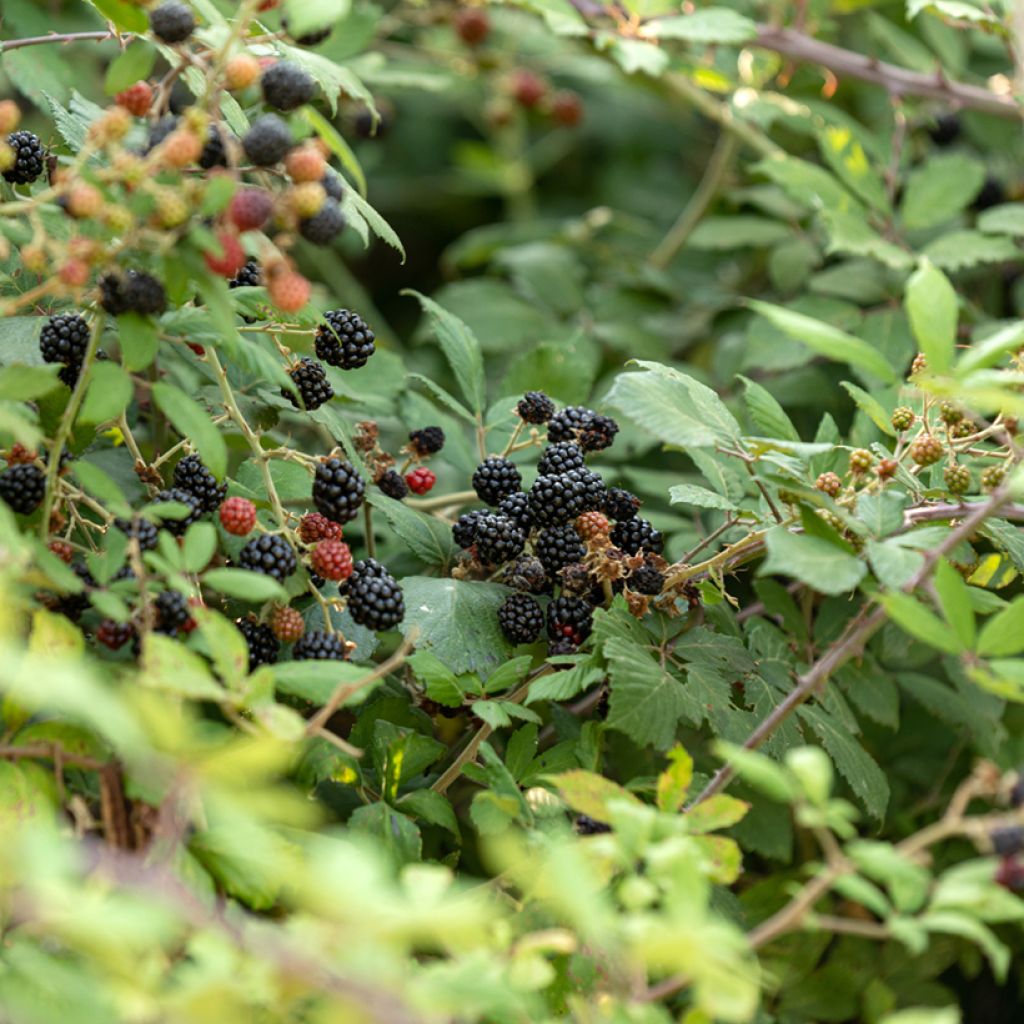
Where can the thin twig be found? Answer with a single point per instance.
(64, 37)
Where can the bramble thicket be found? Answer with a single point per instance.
(511, 512)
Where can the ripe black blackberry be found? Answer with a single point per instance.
(344, 340)
(64, 339)
(333, 185)
(250, 276)
(589, 827)
(286, 86)
(310, 38)
(555, 500)
(22, 487)
(325, 225)
(259, 638)
(392, 484)
(179, 526)
(215, 152)
(521, 619)
(498, 539)
(945, 130)
(171, 612)
(310, 378)
(374, 597)
(494, 478)
(267, 141)
(561, 647)
(316, 645)
(1009, 841)
(635, 535)
(591, 487)
(560, 457)
(465, 527)
(191, 475)
(338, 490)
(647, 579)
(569, 618)
(29, 158)
(426, 440)
(535, 407)
(516, 506)
(72, 606)
(132, 292)
(270, 556)
(527, 573)
(557, 547)
(619, 505)
(592, 431)
(141, 529)
(172, 22)
(69, 374)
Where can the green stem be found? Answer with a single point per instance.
(371, 542)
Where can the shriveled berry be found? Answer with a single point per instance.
(426, 441)
(288, 624)
(647, 579)
(238, 516)
(392, 484)
(332, 559)
(526, 573)
(314, 527)
(420, 480)
(926, 450)
(535, 407)
(829, 483)
(63, 550)
(521, 619)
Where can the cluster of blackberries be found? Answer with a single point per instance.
(64, 339)
(539, 536)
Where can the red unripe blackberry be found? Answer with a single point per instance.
(22, 487)
(535, 407)
(420, 480)
(557, 547)
(238, 516)
(136, 99)
(181, 148)
(338, 490)
(375, 599)
(886, 469)
(172, 22)
(516, 506)
(29, 158)
(498, 539)
(268, 141)
(63, 550)
(269, 555)
(527, 88)
(521, 619)
(829, 483)
(426, 441)
(591, 525)
(569, 618)
(926, 450)
(344, 340)
(74, 273)
(392, 484)
(332, 559)
(319, 646)
(287, 624)
(314, 527)
(314, 388)
(902, 418)
(262, 643)
(305, 163)
(286, 86)
(567, 108)
(289, 291)
(635, 535)
(250, 208)
(114, 634)
(494, 478)
(231, 258)
(472, 25)
(191, 475)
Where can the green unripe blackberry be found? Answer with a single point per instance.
(635, 535)
(861, 460)
(957, 478)
(172, 22)
(344, 340)
(375, 599)
(269, 555)
(317, 645)
(992, 477)
(926, 450)
(29, 158)
(191, 475)
(521, 619)
(494, 478)
(314, 388)
(22, 487)
(950, 413)
(535, 407)
(498, 539)
(903, 418)
(259, 638)
(338, 490)
(286, 86)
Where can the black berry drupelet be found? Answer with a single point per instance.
(535, 407)
(560, 458)
(464, 528)
(344, 340)
(374, 597)
(215, 152)
(250, 276)
(426, 440)
(555, 500)
(267, 141)
(319, 646)
(269, 555)
(172, 22)
(521, 619)
(22, 487)
(29, 158)
(569, 618)
(191, 475)
(498, 540)
(338, 490)
(64, 339)
(592, 431)
(139, 529)
(635, 535)
(194, 505)
(527, 574)
(132, 292)
(494, 478)
(286, 86)
(259, 638)
(325, 225)
(647, 580)
(516, 506)
(392, 484)
(310, 378)
(171, 612)
(557, 547)
(619, 505)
